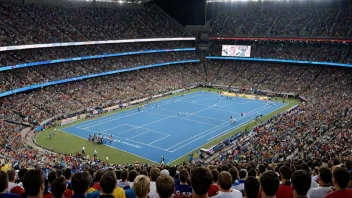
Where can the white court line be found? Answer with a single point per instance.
(112, 127)
(259, 109)
(196, 115)
(138, 142)
(147, 129)
(111, 147)
(130, 114)
(209, 107)
(219, 135)
(178, 117)
(92, 131)
(195, 101)
(222, 135)
(218, 126)
(158, 140)
(137, 135)
(142, 125)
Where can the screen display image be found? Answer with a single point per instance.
(236, 50)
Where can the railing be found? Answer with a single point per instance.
(22, 65)
(279, 61)
(32, 87)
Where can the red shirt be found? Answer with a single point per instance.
(48, 195)
(96, 185)
(340, 194)
(284, 191)
(213, 190)
(68, 193)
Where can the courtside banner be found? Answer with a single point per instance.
(236, 50)
(21, 47)
(68, 120)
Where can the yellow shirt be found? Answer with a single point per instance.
(119, 193)
(90, 190)
(6, 167)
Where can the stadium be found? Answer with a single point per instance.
(176, 98)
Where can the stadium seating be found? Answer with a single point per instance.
(34, 24)
(314, 135)
(284, 22)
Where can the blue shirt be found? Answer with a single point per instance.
(183, 190)
(94, 194)
(9, 195)
(130, 193)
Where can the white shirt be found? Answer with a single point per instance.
(319, 192)
(11, 185)
(95, 151)
(314, 184)
(152, 193)
(233, 194)
(83, 148)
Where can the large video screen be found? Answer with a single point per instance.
(236, 50)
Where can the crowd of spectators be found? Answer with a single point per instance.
(287, 179)
(43, 54)
(328, 111)
(103, 91)
(34, 24)
(18, 78)
(284, 22)
(302, 152)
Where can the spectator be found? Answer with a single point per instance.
(141, 186)
(183, 190)
(285, 189)
(97, 178)
(251, 187)
(252, 173)
(107, 185)
(239, 185)
(117, 193)
(201, 179)
(350, 184)
(154, 174)
(21, 174)
(300, 183)
(324, 180)
(80, 184)
(269, 184)
(68, 175)
(4, 183)
(340, 180)
(124, 180)
(33, 183)
(225, 183)
(131, 176)
(11, 174)
(173, 171)
(348, 165)
(58, 187)
(164, 172)
(47, 190)
(214, 189)
(262, 170)
(234, 175)
(165, 186)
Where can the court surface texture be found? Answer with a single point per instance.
(175, 126)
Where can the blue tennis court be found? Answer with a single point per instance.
(173, 127)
